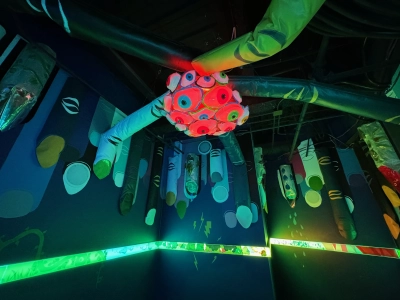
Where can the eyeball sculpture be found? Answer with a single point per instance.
(203, 105)
(197, 105)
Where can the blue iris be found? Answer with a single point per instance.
(207, 78)
(203, 117)
(189, 76)
(184, 101)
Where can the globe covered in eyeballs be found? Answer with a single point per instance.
(203, 105)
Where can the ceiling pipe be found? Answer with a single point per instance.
(85, 22)
(350, 101)
(90, 24)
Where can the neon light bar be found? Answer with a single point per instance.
(216, 248)
(344, 248)
(18, 271)
(24, 270)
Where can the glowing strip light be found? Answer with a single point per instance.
(24, 270)
(19, 271)
(344, 248)
(216, 248)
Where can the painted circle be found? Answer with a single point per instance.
(313, 198)
(315, 183)
(77, 174)
(189, 76)
(204, 147)
(203, 130)
(207, 78)
(233, 115)
(220, 194)
(230, 219)
(222, 96)
(203, 117)
(184, 101)
(254, 211)
(299, 178)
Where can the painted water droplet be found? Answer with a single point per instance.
(304, 254)
(295, 214)
(301, 226)
(294, 221)
(297, 231)
(295, 255)
(291, 233)
(301, 234)
(290, 216)
(288, 226)
(303, 266)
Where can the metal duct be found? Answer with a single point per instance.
(333, 97)
(88, 23)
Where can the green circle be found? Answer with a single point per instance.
(102, 168)
(315, 183)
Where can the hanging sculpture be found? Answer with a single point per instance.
(197, 105)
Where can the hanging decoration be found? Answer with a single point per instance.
(197, 105)
(203, 105)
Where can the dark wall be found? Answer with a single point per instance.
(216, 277)
(88, 220)
(313, 274)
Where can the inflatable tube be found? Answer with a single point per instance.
(260, 173)
(220, 191)
(131, 178)
(192, 172)
(280, 26)
(110, 140)
(330, 168)
(172, 180)
(154, 189)
(21, 85)
(216, 170)
(333, 97)
(287, 184)
(232, 148)
(87, 22)
(241, 192)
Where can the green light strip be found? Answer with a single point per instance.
(343, 248)
(216, 248)
(24, 270)
(19, 271)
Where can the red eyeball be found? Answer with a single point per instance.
(218, 97)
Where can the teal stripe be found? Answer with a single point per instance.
(255, 51)
(276, 35)
(239, 57)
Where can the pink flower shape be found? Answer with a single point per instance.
(202, 127)
(230, 113)
(217, 97)
(178, 117)
(187, 99)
